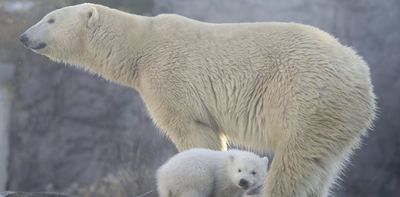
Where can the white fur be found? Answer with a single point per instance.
(283, 87)
(203, 173)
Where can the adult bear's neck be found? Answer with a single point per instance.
(115, 46)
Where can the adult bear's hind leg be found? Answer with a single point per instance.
(308, 163)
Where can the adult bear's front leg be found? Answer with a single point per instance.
(194, 134)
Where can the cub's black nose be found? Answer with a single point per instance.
(243, 183)
(24, 39)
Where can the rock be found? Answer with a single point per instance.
(32, 194)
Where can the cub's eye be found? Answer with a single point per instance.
(253, 173)
(239, 170)
(51, 21)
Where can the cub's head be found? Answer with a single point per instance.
(247, 170)
(62, 35)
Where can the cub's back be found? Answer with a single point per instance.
(186, 160)
(191, 170)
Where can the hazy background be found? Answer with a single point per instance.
(66, 130)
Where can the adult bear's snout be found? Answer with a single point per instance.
(28, 43)
(24, 39)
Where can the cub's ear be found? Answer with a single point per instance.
(266, 161)
(231, 158)
(92, 15)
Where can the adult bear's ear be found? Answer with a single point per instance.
(92, 15)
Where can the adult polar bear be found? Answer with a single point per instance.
(281, 87)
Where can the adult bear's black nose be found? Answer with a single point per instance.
(24, 39)
(243, 183)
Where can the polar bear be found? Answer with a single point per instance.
(285, 88)
(202, 172)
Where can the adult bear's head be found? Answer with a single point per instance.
(62, 35)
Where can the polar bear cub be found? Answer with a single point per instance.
(203, 173)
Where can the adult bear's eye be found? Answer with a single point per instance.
(253, 173)
(239, 170)
(51, 21)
